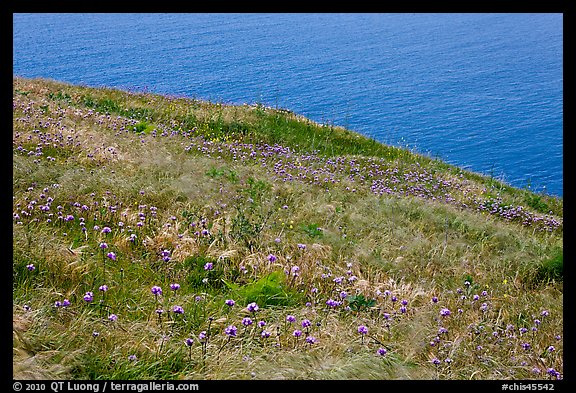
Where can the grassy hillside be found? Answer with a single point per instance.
(160, 237)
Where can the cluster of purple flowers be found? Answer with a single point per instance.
(64, 303)
(165, 255)
(333, 303)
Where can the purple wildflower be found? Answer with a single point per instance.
(332, 303)
(156, 290)
(523, 330)
(526, 346)
(553, 373)
(174, 286)
(310, 340)
(177, 310)
(165, 255)
(231, 331)
(230, 302)
(381, 351)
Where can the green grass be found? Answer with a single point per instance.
(255, 204)
(271, 289)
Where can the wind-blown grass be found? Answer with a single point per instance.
(160, 237)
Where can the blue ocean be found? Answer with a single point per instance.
(481, 91)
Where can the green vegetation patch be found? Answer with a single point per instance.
(204, 272)
(312, 230)
(269, 290)
(547, 271)
(110, 106)
(143, 127)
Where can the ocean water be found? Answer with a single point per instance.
(482, 91)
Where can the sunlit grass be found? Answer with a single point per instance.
(116, 194)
